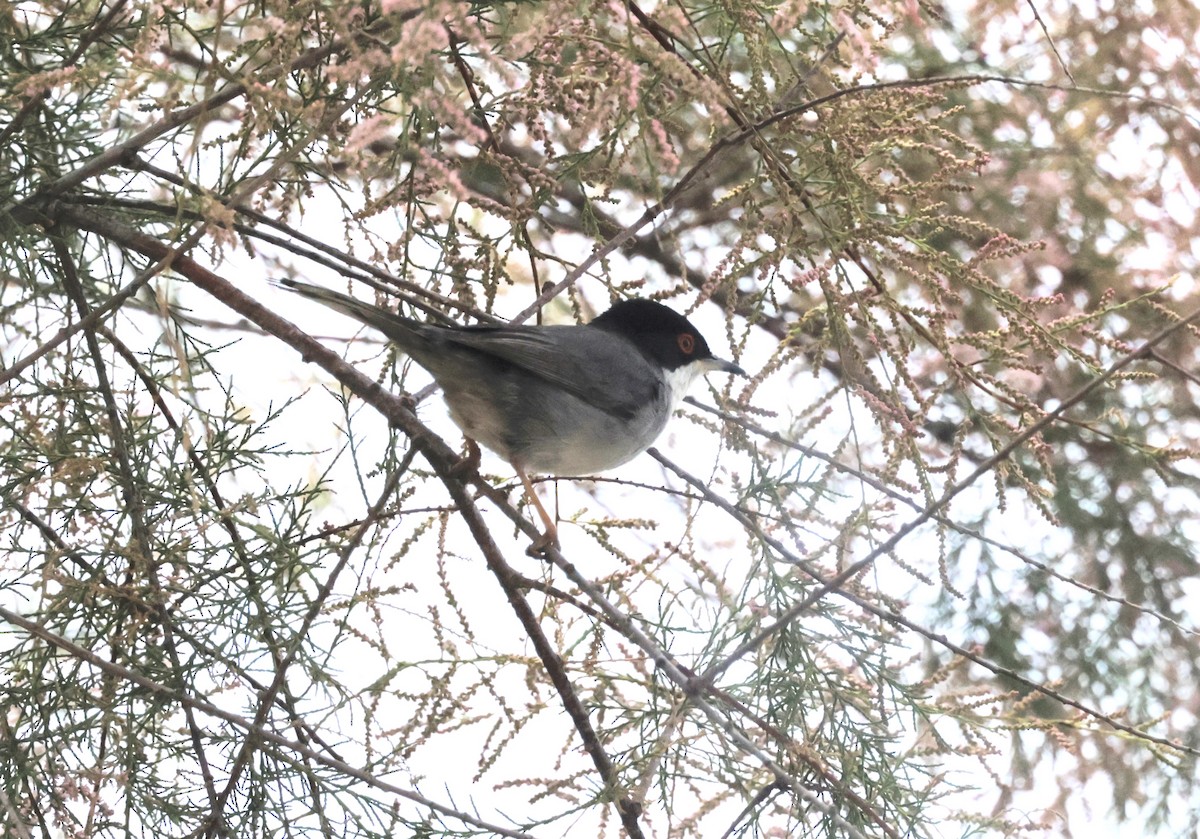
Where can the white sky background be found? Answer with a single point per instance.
(695, 449)
(278, 374)
(267, 373)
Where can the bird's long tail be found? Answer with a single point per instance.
(398, 329)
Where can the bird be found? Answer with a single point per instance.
(552, 400)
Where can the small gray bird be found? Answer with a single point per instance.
(554, 400)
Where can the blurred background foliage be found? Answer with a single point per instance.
(925, 228)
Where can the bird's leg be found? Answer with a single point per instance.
(550, 537)
(469, 463)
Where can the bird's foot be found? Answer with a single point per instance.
(542, 544)
(469, 463)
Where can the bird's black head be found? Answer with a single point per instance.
(664, 335)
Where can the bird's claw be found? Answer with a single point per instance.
(468, 464)
(542, 544)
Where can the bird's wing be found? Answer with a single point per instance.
(601, 369)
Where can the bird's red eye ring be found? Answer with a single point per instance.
(687, 343)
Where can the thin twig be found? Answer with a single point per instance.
(288, 748)
(881, 487)
(135, 508)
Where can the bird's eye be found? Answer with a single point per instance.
(687, 343)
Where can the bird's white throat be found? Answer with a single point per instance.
(680, 379)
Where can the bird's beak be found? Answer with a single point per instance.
(719, 364)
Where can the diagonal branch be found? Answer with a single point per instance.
(440, 456)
